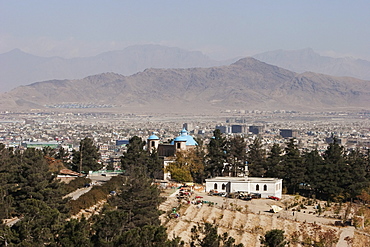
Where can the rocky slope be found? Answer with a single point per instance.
(20, 68)
(246, 84)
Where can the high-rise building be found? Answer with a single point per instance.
(288, 133)
(256, 129)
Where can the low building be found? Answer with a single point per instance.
(264, 186)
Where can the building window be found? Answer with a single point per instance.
(257, 187)
(265, 187)
(178, 145)
(215, 186)
(153, 143)
(223, 186)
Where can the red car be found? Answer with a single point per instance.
(274, 198)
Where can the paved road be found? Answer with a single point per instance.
(95, 180)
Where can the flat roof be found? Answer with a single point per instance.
(242, 179)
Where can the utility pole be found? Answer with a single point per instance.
(81, 148)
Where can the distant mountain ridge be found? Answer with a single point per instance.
(245, 84)
(19, 68)
(305, 60)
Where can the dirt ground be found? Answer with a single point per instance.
(245, 221)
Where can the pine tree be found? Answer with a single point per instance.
(236, 155)
(292, 163)
(216, 156)
(86, 159)
(136, 157)
(256, 158)
(273, 162)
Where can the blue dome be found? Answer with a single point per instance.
(153, 137)
(185, 137)
(180, 139)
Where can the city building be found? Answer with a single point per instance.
(288, 133)
(256, 130)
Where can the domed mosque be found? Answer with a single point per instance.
(182, 142)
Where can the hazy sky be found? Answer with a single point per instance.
(220, 29)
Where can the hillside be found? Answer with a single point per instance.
(247, 221)
(307, 60)
(20, 68)
(246, 84)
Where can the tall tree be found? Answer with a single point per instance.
(86, 159)
(236, 155)
(136, 157)
(62, 155)
(292, 163)
(216, 156)
(155, 165)
(200, 158)
(337, 171)
(358, 172)
(256, 158)
(274, 167)
(315, 173)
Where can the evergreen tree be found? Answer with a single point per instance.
(337, 171)
(155, 165)
(236, 155)
(256, 158)
(74, 233)
(207, 236)
(200, 159)
(216, 156)
(274, 168)
(136, 157)
(358, 173)
(292, 163)
(315, 174)
(140, 200)
(86, 159)
(274, 238)
(62, 155)
(39, 224)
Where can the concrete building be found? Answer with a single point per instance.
(238, 128)
(223, 129)
(264, 186)
(288, 133)
(256, 130)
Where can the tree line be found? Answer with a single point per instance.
(29, 190)
(334, 174)
(130, 217)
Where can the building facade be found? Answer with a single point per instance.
(264, 186)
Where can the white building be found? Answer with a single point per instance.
(264, 186)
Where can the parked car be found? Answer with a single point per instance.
(256, 195)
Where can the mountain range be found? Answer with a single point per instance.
(19, 68)
(307, 60)
(245, 84)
